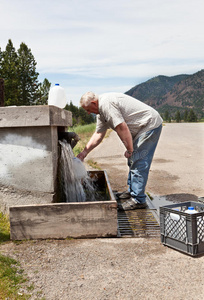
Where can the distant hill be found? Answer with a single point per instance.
(175, 93)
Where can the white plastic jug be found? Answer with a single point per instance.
(79, 168)
(191, 210)
(57, 96)
(175, 217)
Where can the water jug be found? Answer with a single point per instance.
(79, 168)
(191, 210)
(57, 96)
(175, 217)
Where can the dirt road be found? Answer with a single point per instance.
(125, 268)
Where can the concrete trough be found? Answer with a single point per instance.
(29, 189)
(64, 220)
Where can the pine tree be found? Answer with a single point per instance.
(178, 116)
(18, 69)
(166, 115)
(43, 92)
(84, 117)
(79, 115)
(0, 59)
(185, 116)
(192, 116)
(28, 83)
(8, 71)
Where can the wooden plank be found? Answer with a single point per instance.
(62, 220)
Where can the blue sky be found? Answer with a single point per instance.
(107, 45)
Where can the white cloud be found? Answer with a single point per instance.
(114, 39)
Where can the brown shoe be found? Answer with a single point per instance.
(131, 204)
(123, 195)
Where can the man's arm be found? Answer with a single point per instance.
(126, 137)
(94, 141)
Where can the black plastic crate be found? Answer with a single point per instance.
(183, 231)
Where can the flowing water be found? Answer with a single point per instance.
(76, 185)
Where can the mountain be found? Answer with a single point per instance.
(172, 93)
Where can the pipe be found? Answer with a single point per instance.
(71, 137)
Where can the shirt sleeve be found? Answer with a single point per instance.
(113, 115)
(101, 125)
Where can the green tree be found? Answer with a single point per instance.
(28, 83)
(0, 58)
(79, 115)
(18, 69)
(74, 109)
(43, 92)
(185, 116)
(9, 71)
(166, 115)
(191, 116)
(178, 116)
(84, 117)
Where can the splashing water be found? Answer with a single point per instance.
(75, 183)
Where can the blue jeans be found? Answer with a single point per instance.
(140, 161)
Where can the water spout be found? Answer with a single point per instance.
(71, 137)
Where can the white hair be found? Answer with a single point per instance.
(87, 98)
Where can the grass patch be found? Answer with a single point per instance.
(93, 164)
(82, 129)
(150, 197)
(84, 132)
(4, 228)
(11, 277)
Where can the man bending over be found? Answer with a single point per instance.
(138, 126)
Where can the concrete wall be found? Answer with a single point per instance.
(29, 147)
(62, 220)
(30, 116)
(29, 158)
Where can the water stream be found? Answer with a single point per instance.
(76, 185)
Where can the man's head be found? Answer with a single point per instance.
(89, 102)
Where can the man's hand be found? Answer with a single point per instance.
(93, 142)
(82, 155)
(126, 137)
(128, 154)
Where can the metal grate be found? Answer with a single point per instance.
(138, 223)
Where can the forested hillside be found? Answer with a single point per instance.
(173, 94)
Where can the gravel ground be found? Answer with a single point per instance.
(108, 269)
(124, 268)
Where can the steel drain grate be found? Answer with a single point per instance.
(138, 223)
